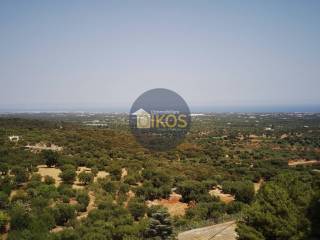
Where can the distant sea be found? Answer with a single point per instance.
(193, 109)
(259, 109)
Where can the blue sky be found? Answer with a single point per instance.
(73, 54)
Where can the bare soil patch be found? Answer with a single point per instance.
(38, 147)
(13, 193)
(124, 173)
(173, 204)
(130, 195)
(101, 174)
(58, 229)
(224, 197)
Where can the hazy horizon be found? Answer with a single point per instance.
(193, 109)
(87, 54)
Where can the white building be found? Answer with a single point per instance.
(14, 138)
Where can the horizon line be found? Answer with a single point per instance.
(292, 108)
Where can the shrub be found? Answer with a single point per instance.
(50, 157)
(3, 221)
(85, 177)
(49, 180)
(63, 213)
(4, 200)
(68, 175)
(83, 199)
(191, 190)
(137, 208)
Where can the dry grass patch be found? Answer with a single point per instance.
(101, 174)
(224, 197)
(43, 170)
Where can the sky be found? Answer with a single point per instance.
(104, 54)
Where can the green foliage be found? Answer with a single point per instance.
(19, 217)
(115, 172)
(206, 211)
(109, 186)
(192, 190)
(85, 177)
(66, 190)
(50, 157)
(4, 218)
(124, 188)
(137, 208)
(149, 192)
(4, 200)
(314, 215)
(63, 213)
(47, 191)
(111, 221)
(49, 180)
(67, 234)
(4, 168)
(243, 190)
(83, 199)
(279, 212)
(21, 174)
(68, 175)
(160, 225)
(248, 233)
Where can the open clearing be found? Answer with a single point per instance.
(101, 174)
(173, 204)
(226, 198)
(78, 185)
(43, 170)
(38, 147)
(53, 172)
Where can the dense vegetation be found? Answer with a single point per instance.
(230, 152)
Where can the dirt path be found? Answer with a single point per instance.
(90, 207)
(124, 173)
(302, 162)
(258, 185)
(223, 231)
